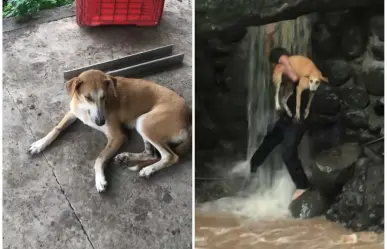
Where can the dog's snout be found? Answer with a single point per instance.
(99, 121)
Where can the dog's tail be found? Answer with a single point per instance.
(183, 147)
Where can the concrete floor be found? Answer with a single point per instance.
(50, 200)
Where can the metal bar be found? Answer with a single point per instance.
(130, 60)
(149, 67)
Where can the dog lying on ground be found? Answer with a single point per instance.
(109, 103)
(310, 78)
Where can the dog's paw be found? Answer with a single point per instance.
(306, 114)
(37, 147)
(146, 172)
(121, 158)
(100, 183)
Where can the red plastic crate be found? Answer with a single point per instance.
(119, 12)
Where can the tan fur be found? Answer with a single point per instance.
(159, 115)
(309, 76)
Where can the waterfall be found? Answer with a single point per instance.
(269, 193)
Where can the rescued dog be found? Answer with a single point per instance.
(310, 78)
(109, 103)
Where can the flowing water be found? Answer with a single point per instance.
(258, 217)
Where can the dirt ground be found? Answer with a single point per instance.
(50, 201)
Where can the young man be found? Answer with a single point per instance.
(285, 131)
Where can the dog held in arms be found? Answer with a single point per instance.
(108, 104)
(310, 78)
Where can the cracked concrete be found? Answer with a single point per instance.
(50, 200)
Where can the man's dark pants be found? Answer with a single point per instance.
(290, 134)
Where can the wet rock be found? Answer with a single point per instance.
(360, 206)
(366, 136)
(350, 135)
(308, 205)
(333, 168)
(377, 26)
(233, 35)
(373, 80)
(324, 137)
(378, 51)
(379, 107)
(353, 41)
(220, 48)
(326, 101)
(324, 41)
(220, 62)
(374, 128)
(333, 20)
(355, 97)
(337, 71)
(356, 119)
(204, 74)
(323, 120)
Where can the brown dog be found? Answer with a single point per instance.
(310, 78)
(107, 103)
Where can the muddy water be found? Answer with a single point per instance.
(219, 230)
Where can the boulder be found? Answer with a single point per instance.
(337, 71)
(373, 80)
(350, 135)
(366, 136)
(326, 101)
(324, 137)
(324, 41)
(204, 74)
(333, 168)
(374, 128)
(355, 119)
(217, 47)
(334, 20)
(308, 205)
(360, 206)
(378, 51)
(379, 107)
(354, 97)
(233, 35)
(353, 41)
(377, 26)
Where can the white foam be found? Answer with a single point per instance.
(267, 201)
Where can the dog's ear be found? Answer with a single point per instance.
(111, 84)
(325, 79)
(73, 85)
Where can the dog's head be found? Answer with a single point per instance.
(91, 89)
(314, 81)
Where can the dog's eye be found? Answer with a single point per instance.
(88, 98)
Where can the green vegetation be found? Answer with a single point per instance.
(30, 7)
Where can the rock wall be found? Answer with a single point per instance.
(348, 46)
(220, 110)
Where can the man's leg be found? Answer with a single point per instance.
(292, 138)
(271, 140)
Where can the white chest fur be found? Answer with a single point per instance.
(84, 116)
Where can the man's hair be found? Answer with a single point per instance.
(276, 53)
